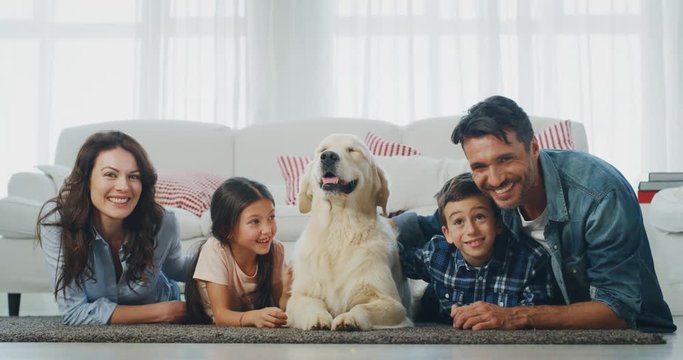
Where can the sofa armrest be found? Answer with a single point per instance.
(35, 186)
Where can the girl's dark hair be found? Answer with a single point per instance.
(77, 214)
(493, 116)
(227, 203)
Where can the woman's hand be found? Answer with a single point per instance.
(174, 311)
(161, 312)
(269, 317)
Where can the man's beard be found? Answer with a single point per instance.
(529, 178)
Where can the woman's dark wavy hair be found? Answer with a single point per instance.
(493, 116)
(227, 203)
(77, 214)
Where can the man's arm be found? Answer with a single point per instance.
(415, 261)
(415, 230)
(583, 315)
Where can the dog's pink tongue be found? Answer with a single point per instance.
(330, 180)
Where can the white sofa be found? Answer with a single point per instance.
(250, 152)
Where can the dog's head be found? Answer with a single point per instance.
(343, 168)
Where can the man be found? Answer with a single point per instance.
(580, 208)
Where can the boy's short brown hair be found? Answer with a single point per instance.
(460, 188)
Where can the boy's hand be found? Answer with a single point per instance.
(269, 317)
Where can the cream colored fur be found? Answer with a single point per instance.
(346, 268)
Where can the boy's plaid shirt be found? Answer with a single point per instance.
(518, 273)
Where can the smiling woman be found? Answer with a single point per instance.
(105, 239)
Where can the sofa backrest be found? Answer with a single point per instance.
(252, 152)
(170, 144)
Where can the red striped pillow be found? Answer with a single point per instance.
(556, 136)
(188, 190)
(382, 147)
(292, 168)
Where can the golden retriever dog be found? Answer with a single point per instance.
(347, 273)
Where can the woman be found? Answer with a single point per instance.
(113, 253)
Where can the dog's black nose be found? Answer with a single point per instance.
(329, 157)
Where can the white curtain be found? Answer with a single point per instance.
(614, 65)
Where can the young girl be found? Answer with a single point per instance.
(238, 276)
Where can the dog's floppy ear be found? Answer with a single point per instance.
(305, 197)
(381, 188)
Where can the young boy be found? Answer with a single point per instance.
(476, 258)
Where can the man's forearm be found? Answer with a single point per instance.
(584, 315)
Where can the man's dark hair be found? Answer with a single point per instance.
(460, 188)
(494, 116)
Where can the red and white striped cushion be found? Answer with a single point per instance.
(292, 168)
(188, 190)
(382, 147)
(557, 136)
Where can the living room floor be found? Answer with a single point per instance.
(42, 304)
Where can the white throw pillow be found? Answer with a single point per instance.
(413, 180)
(188, 223)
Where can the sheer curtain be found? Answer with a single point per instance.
(614, 65)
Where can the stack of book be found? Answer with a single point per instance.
(658, 181)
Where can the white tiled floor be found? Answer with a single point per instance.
(44, 305)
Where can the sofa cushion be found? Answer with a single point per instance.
(187, 190)
(666, 211)
(188, 223)
(292, 168)
(290, 222)
(382, 147)
(18, 217)
(414, 180)
(556, 136)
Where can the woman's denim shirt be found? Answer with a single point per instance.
(95, 302)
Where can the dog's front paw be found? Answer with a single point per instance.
(320, 321)
(349, 322)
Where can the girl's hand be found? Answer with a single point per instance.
(269, 317)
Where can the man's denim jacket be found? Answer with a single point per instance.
(596, 236)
